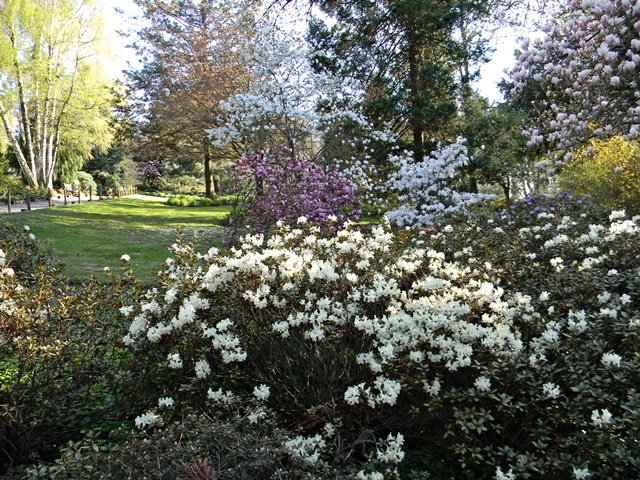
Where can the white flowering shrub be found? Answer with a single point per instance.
(361, 321)
(426, 190)
(505, 347)
(27, 252)
(573, 388)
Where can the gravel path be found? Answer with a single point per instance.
(36, 205)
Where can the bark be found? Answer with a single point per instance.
(13, 141)
(417, 125)
(507, 193)
(209, 184)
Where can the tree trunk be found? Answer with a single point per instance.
(417, 125)
(25, 120)
(216, 185)
(209, 184)
(24, 166)
(507, 193)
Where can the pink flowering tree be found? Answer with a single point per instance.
(583, 75)
(276, 187)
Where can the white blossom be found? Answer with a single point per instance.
(599, 419)
(551, 390)
(148, 420)
(261, 392)
(611, 360)
(483, 384)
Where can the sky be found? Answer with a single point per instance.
(491, 73)
(504, 43)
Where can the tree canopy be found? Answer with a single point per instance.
(190, 62)
(54, 97)
(582, 76)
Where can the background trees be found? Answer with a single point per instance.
(406, 55)
(53, 95)
(190, 62)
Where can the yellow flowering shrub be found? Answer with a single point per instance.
(608, 170)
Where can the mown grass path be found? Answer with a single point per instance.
(93, 235)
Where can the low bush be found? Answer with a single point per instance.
(62, 368)
(87, 183)
(189, 201)
(502, 347)
(25, 253)
(192, 446)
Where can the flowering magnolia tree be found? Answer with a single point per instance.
(280, 188)
(289, 103)
(584, 74)
(426, 187)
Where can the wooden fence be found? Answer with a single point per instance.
(67, 191)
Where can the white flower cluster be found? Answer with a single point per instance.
(148, 420)
(393, 452)
(425, 186)
(427, 321)
(599, 419)
(306, 450)
(5, 270)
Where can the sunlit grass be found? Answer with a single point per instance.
(93, 235)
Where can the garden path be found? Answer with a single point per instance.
(36, 205)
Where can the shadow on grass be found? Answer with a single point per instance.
(91, 236)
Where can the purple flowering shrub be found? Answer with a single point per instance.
(525, 211)
(276, 187)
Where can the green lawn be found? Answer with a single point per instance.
(92, 235)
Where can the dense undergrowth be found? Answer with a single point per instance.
(504, 345)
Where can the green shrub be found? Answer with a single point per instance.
(25, 252)
(62, 368)
(87, 183)
(189, 201)
(193, 446)
(608, 170)
(222, 200)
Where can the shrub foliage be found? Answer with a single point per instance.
(504, 346)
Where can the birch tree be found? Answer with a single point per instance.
(51, 88)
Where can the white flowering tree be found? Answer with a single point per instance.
(290, 104)
(426, 187)
(583, 74)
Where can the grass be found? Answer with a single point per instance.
(92, 235)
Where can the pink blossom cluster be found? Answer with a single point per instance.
(277, 187)
(584, 73)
